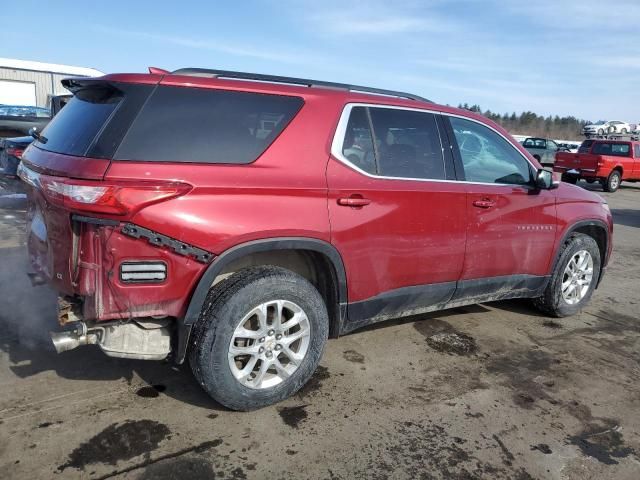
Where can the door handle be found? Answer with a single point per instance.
(484, 203)
(354, 201)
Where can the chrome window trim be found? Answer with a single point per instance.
(341, 130)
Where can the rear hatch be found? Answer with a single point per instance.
(65, 167)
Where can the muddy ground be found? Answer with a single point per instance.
(519, 396)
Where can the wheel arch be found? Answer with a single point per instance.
(597, 229)
(333, 290)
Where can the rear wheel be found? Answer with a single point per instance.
(572, 179)
(623, 131)
(574, 277)
(600, 131)
(590, 180)
(260, 337)
(612, 183)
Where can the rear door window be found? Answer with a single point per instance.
(407, 144)
(206, 126)
(636, 149)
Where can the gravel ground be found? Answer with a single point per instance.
(515, 395)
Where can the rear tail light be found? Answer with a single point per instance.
(110, 198)
(15, 152)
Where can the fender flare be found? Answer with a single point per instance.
(573, 228)
(264, 245)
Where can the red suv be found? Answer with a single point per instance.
(240, 220)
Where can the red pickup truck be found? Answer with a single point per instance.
(607, 161)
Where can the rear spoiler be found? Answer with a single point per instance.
(75, 84)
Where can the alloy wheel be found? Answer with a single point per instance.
(269, 344)
(577, 277)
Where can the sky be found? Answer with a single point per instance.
(552, 57)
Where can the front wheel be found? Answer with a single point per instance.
(623, 131)
(259, 338)
(574, 277)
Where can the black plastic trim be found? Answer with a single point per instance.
(397, 303)
(586, 223)
(453, 147)
(239, 251)
(447, 146)
(95, 221)
(161, 240)
(419, 299)
(491, 289)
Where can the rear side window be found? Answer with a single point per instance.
(636, 149)
(73, 130)
(613, 149)
(206, 126)
(358, 143)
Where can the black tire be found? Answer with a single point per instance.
(551, 302)
(227, 303)
(623, 131)
(590, 180)
(570, 179)
(600, 131)
(612, 183)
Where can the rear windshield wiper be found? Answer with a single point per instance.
(33, 131)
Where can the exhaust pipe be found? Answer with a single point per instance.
(70, 339)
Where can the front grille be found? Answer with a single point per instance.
(143, 272)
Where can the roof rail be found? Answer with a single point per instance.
(204, 72)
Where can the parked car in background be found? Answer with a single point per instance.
(542, 149)
(604, 128)
(239, 220)
(11, 148)
(17, 120)
(607, 161)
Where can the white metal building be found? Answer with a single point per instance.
(24, 82)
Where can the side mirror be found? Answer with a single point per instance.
(545, 180)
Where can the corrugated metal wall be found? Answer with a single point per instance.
(46, 83)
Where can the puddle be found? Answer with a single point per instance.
(118, 442)
(192, 468)
(150, 391)
(542, 447)
(292, 416)
(353, 356)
